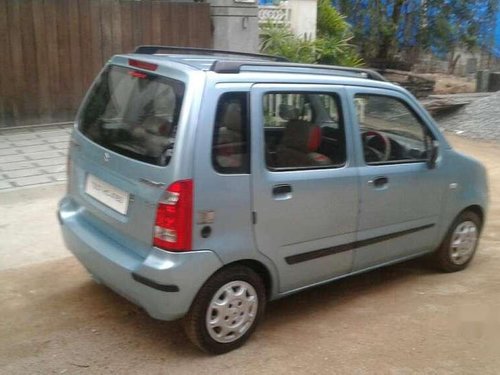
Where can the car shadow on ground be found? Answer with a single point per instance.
(348, 290)
(117, 317)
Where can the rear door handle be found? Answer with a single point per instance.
(282, 191)
(379, 182)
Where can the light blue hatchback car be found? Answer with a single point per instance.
(204, 183)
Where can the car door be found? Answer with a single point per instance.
(401, 197)
(305, 191)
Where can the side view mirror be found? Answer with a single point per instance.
(432, 154)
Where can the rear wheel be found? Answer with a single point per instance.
(226, 310)
(460, 244)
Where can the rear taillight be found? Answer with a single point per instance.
(174, 217)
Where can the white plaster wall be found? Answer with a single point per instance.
(303, 17)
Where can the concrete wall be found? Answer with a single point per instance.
(235, 25)
(467, 65)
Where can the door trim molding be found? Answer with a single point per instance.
(304, 257)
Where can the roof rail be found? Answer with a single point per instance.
(221, 66)
(152, 49)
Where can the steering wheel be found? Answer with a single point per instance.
(377, 146)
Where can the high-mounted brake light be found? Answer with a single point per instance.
(142, 65)
(174, 218)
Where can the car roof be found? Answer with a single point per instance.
(241, 66)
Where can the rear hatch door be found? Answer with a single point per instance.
(121, 152)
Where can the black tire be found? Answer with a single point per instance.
(443, 255)
(195, 323)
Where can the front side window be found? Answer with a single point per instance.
(134, 114)
(303, 130)
(390, 131)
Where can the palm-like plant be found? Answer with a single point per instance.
(334, 36)
(279, 40)
(331, 47)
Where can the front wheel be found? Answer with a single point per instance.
(226, 310)
(460, 244)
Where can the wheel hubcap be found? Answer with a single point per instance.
(463, 242)
(232, 311)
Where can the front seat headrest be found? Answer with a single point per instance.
(302, 136)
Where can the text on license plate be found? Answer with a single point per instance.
(107, 194)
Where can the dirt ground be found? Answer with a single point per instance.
(403, 319)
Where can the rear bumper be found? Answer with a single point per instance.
(163, 283)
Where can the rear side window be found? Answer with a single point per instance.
(303, 130)
(134, 114)
(230, 142)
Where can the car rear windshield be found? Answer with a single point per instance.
(134, 113)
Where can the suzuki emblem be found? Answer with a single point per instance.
(106, 157)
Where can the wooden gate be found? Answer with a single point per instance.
(51, 50)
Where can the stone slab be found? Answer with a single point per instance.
(20, 137)
(23, 173)
(29, 142)
(60, 168)
(33, 180)
(39, 148)
(12, 158)
(51, 161)
(63, 138)
(16, 166)
(43, 155)
(8, 151)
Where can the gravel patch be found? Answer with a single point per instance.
(478, 120)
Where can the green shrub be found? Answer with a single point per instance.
(334, 36)
(278, 39)
(330, 47)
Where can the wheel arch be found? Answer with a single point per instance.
(259, 268)
(477, 209)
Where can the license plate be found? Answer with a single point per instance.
(107, 194)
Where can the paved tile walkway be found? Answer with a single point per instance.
(33, 156)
